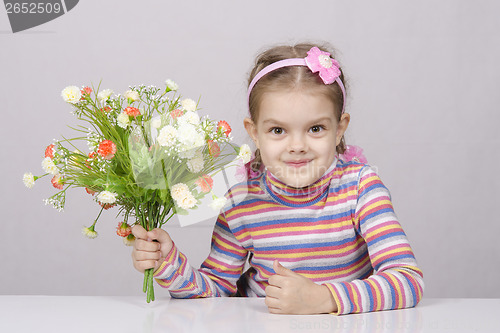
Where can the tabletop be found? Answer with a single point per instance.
(133, 314)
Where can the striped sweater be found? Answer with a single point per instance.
(341, 232)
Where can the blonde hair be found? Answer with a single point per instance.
(290, 78)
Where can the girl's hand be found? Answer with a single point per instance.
(291, 293)
(147, 253)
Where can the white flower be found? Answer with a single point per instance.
(129, 240)
(182, 196)
(189, 201)
(189, 117)
(107, 197)
(56, 203)
(29, 180)
(171, 85)
(218, 203)
(71, 94)
(245, 153)
(104, 95)
(196, 164)
(179, 191)
(189, 149)
(189, 137)
(167, 136)
(156, 123)
(188, 104)
(132, 95)
(49, 166)
(89, 232)
(123, 120)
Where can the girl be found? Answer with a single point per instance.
(319, 233)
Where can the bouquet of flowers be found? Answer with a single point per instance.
(151, 154)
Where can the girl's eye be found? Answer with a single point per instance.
(317, 129)
(277, 130)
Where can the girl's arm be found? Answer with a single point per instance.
(217, 275)
(396, 282)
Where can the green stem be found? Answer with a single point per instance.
(147, 215)
(151, 295)
(171, 215)
(145, 283)
(95, 221)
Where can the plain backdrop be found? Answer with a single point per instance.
(423, 80)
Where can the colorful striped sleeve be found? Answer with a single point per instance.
(396, 281)
(217, 275)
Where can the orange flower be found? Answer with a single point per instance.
(131, 111)
(213, 148)
(176, 113)
(206, 183)
(89, 191)
(224, 127)
(107, 149)
(123, 229)
(106, 206)
(57, 182)
(86, 91)
(49, 151)
(105, 109)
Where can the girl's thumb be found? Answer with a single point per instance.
(159, 235)
(280, 269)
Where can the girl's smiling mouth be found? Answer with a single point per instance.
(297, 163)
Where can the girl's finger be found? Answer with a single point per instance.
(144, 255)
(149, 246)
(273, 291)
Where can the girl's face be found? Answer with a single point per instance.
(297, 134)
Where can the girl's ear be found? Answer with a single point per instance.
(251, 130)
(342, 127)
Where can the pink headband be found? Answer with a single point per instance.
(316, 60)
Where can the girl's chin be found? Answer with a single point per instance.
(298, 182)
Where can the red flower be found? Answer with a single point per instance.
(224, 126)
(206, 183)
(176, 113)
(105, 109)
(213, 148)
(131, 111)
(106, 206)
(89, 191)
(49, 151)
(107, 149)
(57, 182)
(86, 91)
(123, 229)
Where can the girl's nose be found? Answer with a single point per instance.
(297, 144)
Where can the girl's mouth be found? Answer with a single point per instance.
(297, 164)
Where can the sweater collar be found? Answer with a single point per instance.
(304, 196)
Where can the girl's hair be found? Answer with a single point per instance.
(290, 78)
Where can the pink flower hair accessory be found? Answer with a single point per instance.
(353, 153)
(244, 171)
(317, 61)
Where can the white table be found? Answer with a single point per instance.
(92, 314)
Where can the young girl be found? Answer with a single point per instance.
(319, 233)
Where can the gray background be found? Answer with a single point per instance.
(423, 79)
